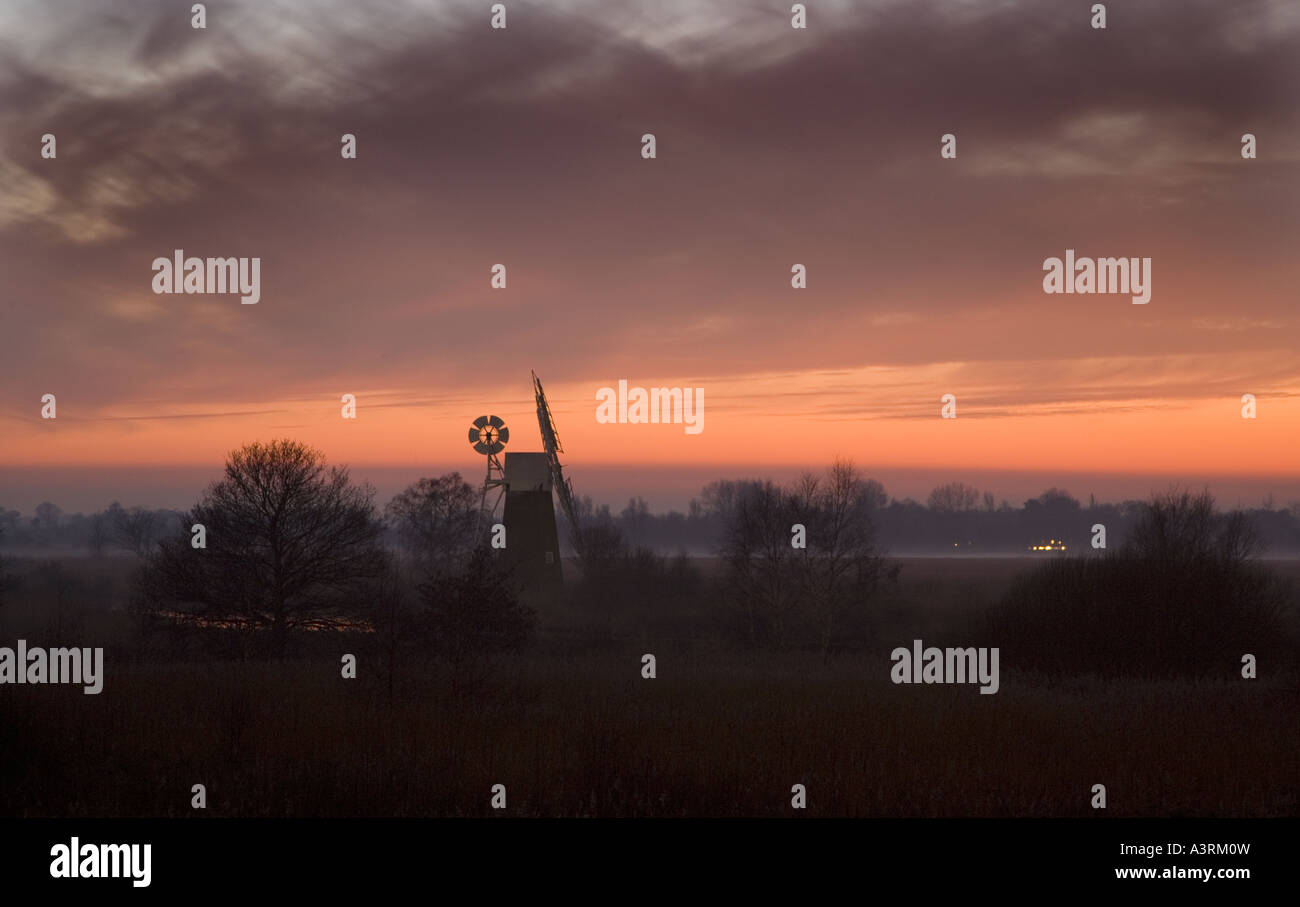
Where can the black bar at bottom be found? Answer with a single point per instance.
(329, 857)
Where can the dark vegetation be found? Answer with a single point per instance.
(289, 544)
(954, 519)
(1185, 596)
(1121, 666)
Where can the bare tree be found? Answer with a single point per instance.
(721, 497)
(47, 520)
(873, 495)
(786, 593)
(761, 578)
(954, 497)
(844, 565)
(434, 520)
(1178, 527)
(97, 534)
(291, 544)
(136, 530)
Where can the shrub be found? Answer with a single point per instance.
(1185, 596)
(472, 615)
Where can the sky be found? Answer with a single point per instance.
(775, 146)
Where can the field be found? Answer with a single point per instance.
(572, 729)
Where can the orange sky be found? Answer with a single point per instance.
(775, 147)
(761, 419)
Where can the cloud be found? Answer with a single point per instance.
(522, 147)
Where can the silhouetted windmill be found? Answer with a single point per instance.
(525, 481)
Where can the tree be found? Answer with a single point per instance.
(842, 566)
(97, 534)
(721, 497)
(435, 521)
(803, 594)
(759, 559)
(291, 544)
(1178, 528)
(872, 495)
(136, 530)
(47, 521)
(954, 497)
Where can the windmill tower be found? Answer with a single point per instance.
(532, 543)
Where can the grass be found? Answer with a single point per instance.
(573, 730)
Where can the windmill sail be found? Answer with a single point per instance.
(551, 441)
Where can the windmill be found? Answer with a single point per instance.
(489, 435)
(551, 441)
(525, 481)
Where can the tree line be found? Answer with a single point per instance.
(955, 518)
(285, 544)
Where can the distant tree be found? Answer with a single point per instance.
(954, 497)
(1058, 500)
(720, 498)
(291, 544)
(435, 520)
(15, 533)
(47, 521)
(97, 534)
(635, 519)
(136, 530)
(1178, 528)
(871, 493)
(602, 545)
(588, 512)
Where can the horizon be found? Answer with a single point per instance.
(88, 490)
